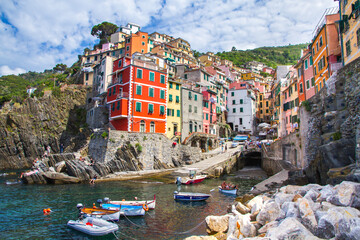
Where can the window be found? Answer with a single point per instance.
(311, 60)
(114, 90)
(260, 97)
(241, 110)
(190, 109)
(234, 110)
(162, 94)
(170, 98)
(127, 48)
(195, 109)
(152, 127)
(138, 89)
(317, 46)
(139, 73)
(348, 48)
(321, 41)
(162, 78)
(306, 64)
(109, 92)
(177, 86)
(233, 102)
(178, 113)
(207, 116)
(112, 106)
(138, 107)
(142, 126)
(301, 88)
(152, 76)
(119, 63)
(295, 87)
(151, 92)
(185, 76)
(177, 99)
(190, 97)
(143, 43)
(195, 97)
(240, 121)
(232, 94)
(162, 110)
(150, 108)
(170, 85)
(267, 104)
(241, 101)
(87, 77)
(312, 81)
(358, 37)
(307, 84)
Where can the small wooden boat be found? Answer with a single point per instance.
(126, 210)
(192, 178)
(105, 214)
(93, 226)
(190, 196)
(150, 203)
(231, 191)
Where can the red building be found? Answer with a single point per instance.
(209, 110)
(137, 95)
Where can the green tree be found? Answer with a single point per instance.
(233, 49)
(103, 31)
(60, 67)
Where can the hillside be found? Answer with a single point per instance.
(271, 56)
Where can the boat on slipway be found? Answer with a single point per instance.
(190, 196)
(150, 203)
(93, 226)
(126, 210)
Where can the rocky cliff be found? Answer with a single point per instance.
(27, 128)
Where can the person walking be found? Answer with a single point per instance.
(61, 148)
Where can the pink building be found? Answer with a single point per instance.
(309, 80)
(209, 110)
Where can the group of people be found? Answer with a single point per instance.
(225, 185)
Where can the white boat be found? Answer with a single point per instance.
(126, 210)
(105, 214)
(192, 178)
(232, 191)
(93, 226)
(149, 203)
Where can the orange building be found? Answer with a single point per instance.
(325, 48)
(137, 42)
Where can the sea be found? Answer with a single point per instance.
(22, 217)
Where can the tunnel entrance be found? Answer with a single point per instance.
(253, 159)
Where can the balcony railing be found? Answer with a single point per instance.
(123, 95)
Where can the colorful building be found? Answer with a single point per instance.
(350, 30)
(137, 96)
(174, 109)
(209, 110)
(136, 42)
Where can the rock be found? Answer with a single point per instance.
(241, 208)
(256, 203)
(289, 209)
(296, 197)
(304, 189)
(338, 221)
(269, 212)
(245, 198)
(201, 238)
(282, 197)
(60, 166)
(240, 226)
(312, 194)
(266, 227)
(326, 192)
(290, 189)
(216, 224)
(347, 194)
(59, 178)
(218, 171)
(290, 228)
(307, 215)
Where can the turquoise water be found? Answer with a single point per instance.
(21, 211)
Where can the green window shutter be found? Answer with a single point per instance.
(139, 73)
(151, 92)
(172, 112)
(312, 82)
(190, 97)
(178, 113)
(177, 86)
(168, 111)
(109, 92)
(177, 99)
(151, 108)
(162, 79)
(138, 90)
(233, 101)
(195, 97)
(207, 116)
(241, 101)
(241, 110)
(234, 110)
(232, 94)
(114, 90)
(138, 107)
(171, 85)
(306, 64)
(113, 107)
(152, 76)
(118, 105)
(170, 98)
(162, 94)
(162, 110)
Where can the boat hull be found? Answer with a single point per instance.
(197, 179)
(151, 203)
(190, 197)
(99, 227)
(105, 215)
(228, 191)
(125, 210)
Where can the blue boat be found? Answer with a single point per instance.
(126, 210)
(232, 191)
(190, 196)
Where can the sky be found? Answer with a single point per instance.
(38, 34)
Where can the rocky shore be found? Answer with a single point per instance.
(291, 212)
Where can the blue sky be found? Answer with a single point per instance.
(37, 34)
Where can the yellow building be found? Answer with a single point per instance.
(174, 109)
(209, 59)
(350, 29)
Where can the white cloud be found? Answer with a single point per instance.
(38, 34)
(6, 70)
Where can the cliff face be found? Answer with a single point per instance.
(26, 129)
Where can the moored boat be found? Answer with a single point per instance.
(93, 226)
(192, 179)
(105, 214)
(190, 196)
(150, 203)
(126, 210)
(231, 191)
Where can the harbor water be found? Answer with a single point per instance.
(22, 217)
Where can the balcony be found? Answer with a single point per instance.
(122, 95)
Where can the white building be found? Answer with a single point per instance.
(102, 75)
(129, 29)
(241, 108)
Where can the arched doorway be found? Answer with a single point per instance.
(152, 127)
(142, 126)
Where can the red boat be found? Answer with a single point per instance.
(193, 178)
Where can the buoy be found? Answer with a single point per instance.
(94, 205)
(123, 200)
(46, 210)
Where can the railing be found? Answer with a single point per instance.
(123, 95)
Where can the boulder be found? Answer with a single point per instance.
(240, 226)
(60, 166)
(326, 192)
(290, 228)
(289, 209)
(304, 189)
(241, 208)
(268, 226)
(307, 215)
(245, 198)
(269, 212)
(337, 222)
(312, 194)
(201, 238)
(59, 178)
(290, 189)
(282, 197)
(346, 194)
(216, 224)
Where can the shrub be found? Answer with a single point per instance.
(336, 136)
(104, 134)
(306, 105)
(144, 138)
(138, 147)
(111, 140)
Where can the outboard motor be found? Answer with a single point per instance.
(99, 201)
(79, 206)
(106, 200)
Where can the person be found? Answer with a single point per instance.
(81, 158)
(223, 185)
(61, 148)
(222, 147)
(225, 147)
(92, 181)
(48, 149)
(92, 162)
(174, 144)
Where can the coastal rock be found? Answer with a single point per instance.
(240, 226)
(337, 222)
(266, 227)
(269, 212)
(307, 215)
(256, 203)
(60, 166)
(216, 224)
(59, 178)
(312, 194)
(290, 228)
(282, 197)
(241, 208)
(289, 209)
(347, 194)
(245, 198)
(326, 192)
(290, 189)
(201, 238)
(304, 189)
